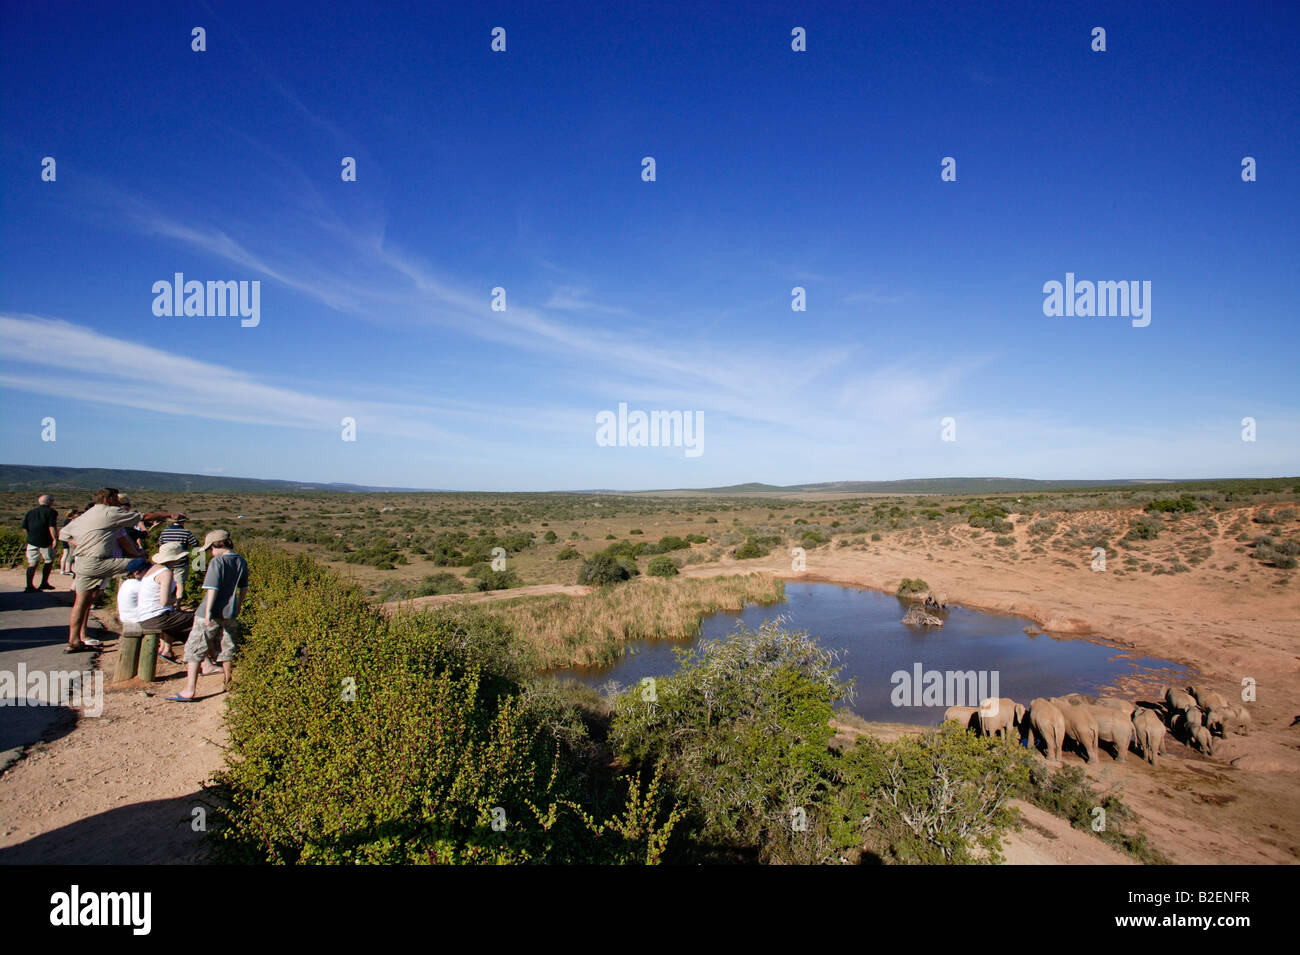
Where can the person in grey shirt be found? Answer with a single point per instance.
(215, 622)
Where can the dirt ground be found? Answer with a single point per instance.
(120, 788)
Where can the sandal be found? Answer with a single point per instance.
(79, 648)
(177, 698)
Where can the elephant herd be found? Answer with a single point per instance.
(1196, 717)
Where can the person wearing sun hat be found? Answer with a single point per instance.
(216, 624)
(156, 605)
(177, 533)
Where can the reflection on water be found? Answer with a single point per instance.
(864, 627)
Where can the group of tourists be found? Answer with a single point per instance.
(109, 539)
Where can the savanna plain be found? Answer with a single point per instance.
(444, 614)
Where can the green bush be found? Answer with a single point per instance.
(671, 543)
(436, 584)
(498, 580)
(938, 797)
(1145, 528)
(602, 568)
(13, 547)
(662, 566)
(750, 550)
(912, 585)
(568, 553)
(360, 738)
(1184, 502)
(811, 539)
(741, 732)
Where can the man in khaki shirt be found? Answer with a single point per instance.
(95, 533)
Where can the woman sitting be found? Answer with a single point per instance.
(154, 607)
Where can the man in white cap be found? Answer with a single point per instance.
(215, 622)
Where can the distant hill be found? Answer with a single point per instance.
(973, 485)
(22, 477)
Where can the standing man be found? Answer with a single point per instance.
(215, 620)
(96, 532)
(41, 524)
(176, 533)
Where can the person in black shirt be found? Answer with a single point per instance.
(41, 524)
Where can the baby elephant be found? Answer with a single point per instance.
(1223, 720)
(1202, 740)
(1148, 734)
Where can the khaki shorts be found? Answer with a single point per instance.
(36, 555)
(93, 572)
(217, 637)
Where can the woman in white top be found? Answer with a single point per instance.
(128, 592)
(154, 602)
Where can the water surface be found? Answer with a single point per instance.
(864, 627)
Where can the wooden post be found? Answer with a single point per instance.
(148, 656)
(128, 652)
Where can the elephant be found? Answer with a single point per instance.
(1228, 719)
(1184, 724)
(1208, 699)
(1113, 727)
(1080, 726)
(960, 714)
(1216, 721)
(1149, 734)
(1047, 721)
(1178, 700)
(1202, 740)
(1000, 715)
(1124, 706)
(1243, 720)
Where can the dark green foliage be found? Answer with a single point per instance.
(912, 585)
(662, 566)
(811, 539)
(1145, 528)
(498, 580)
(936, 797)
(359, 738)
(602, 568)
(568, 553)
(741, 732)
(1168, 505)
(13, 547)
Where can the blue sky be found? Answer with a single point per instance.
(775, 169)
